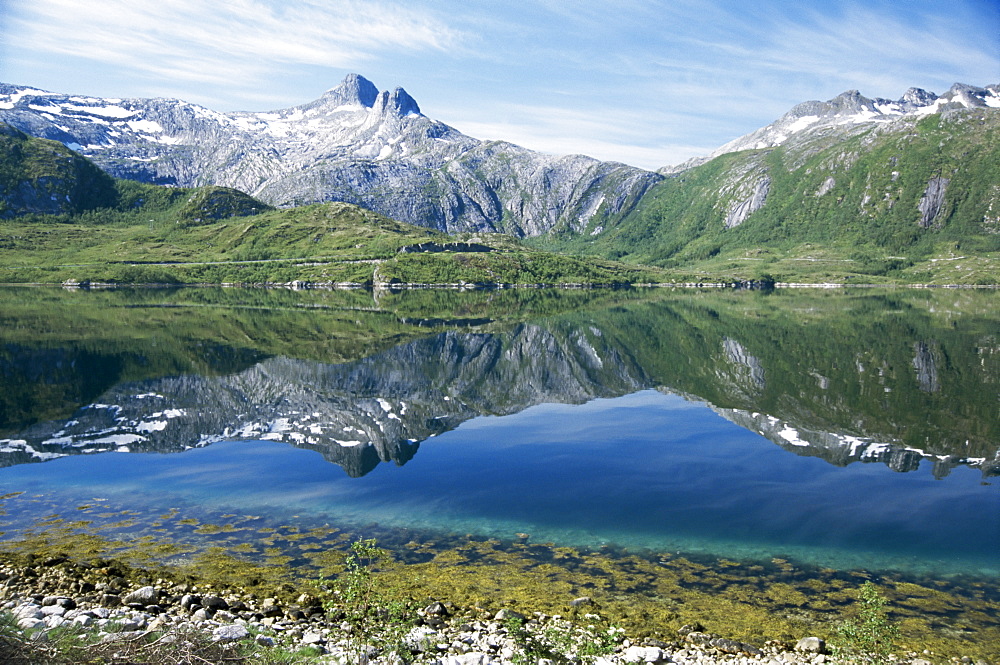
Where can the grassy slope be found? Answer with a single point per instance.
(332, 242)
(61, 218)
(865, 228)
(40, 176)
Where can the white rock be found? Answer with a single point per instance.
(28, 610)
(420, 638)
(313, 637)
(54, 621)
(811, 645)
(637, 654)
(147, 595)
(471, 658)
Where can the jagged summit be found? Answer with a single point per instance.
(918, 97)
(397, 101)
(356, 92)
(353, 90)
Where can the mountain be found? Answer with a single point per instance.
(852, 185)
(354, 144)
(850, 112)
(357, 414)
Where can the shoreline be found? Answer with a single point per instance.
(302, 285)
(118, 604)
(766, 607)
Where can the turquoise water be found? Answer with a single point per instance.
(645, 471)
(847, 430)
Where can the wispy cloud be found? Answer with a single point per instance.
(232, 43)
(884, 53)
(608, 133)
(647, 82)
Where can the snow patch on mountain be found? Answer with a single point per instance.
(849, 110)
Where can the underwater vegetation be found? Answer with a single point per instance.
(647, 593)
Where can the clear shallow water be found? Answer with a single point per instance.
(851, 430)
(645, 470)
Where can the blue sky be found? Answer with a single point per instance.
(647, 82)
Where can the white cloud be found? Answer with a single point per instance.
(877, 51)
(224, 43)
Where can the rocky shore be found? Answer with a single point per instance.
(111, 606)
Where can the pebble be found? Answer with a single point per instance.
(448, 637)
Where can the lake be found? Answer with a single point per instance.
(834, 431)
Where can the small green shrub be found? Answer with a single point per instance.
(562, 642)
(868, 637)
(378, 620)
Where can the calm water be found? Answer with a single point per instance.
(854, 430)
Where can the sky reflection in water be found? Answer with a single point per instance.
(644, 470)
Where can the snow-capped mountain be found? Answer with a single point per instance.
(850, 112)
(353, 144)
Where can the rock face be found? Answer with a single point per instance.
(743, 209)
(932, 201)
(353, 144)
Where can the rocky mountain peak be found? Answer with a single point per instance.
(970, 95)
(918, 97)
(353, 90)
(351, 144)
(848, 112)
(397, 102)
(850, 101)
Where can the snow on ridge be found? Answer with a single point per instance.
(22, 446)
(151, 426)
(117, 439)
(801, 123)
(46, 109)
(105, 111)
(14, 97)
(147, 126)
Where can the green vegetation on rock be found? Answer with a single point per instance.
(905, 203)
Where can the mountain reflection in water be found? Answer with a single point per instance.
(891, 377)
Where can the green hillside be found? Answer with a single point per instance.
(45, 177)
(44, 181)
(838, 205)
(62, 219)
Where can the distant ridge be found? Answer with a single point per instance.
(852, 108)
(353, 144)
